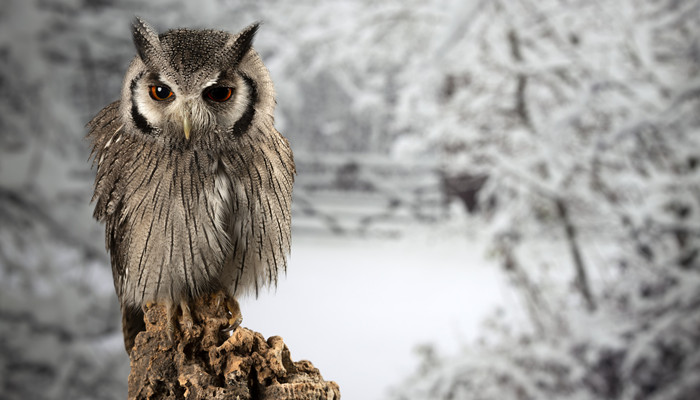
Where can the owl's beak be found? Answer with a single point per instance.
(187, 126)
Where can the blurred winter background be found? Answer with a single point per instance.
(495, 199)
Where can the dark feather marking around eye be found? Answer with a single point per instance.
(242, 125)
(140, 121)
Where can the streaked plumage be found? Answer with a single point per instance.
(195, 192)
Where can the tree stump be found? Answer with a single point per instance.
(203, 362)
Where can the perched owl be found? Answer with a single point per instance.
(193, 182)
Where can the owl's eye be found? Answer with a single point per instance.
(219, 94)
(160, 93)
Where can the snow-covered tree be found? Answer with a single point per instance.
(583, 115)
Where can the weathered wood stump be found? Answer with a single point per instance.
(203, 362)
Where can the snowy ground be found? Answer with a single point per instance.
(382, 298)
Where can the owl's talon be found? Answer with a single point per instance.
(146, 306)
(171, 316)
(236, 317)
(233, 324)
(219, 298)
(186, 315)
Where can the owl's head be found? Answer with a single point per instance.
(195, 88)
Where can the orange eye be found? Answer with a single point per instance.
(160, 93)
(219, 94)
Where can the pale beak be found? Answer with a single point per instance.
(186, 126)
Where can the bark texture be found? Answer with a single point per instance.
(202, 362)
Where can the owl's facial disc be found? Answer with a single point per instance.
(219, 104)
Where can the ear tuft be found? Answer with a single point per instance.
(243, 43)
(146, 40)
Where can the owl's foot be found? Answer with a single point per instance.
(186, 314)
(236, 317)
(172, 313)
(219, 297)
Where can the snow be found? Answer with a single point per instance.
(357, 308)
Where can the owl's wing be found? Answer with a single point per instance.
(260, 220)
(105, 133)
(102, 130)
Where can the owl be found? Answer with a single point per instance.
(193, 181)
